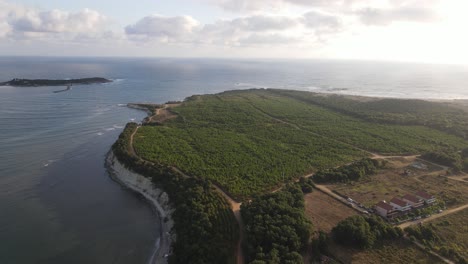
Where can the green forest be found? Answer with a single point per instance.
(437, 115)
(350, 172)
(206, 229)
(253, 141)
(364, 232)
(276, 227)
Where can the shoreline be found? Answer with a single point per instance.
(158, 199)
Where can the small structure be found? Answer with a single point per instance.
(427, 198)
(400, 205)
(419, 165)
(385, 210)
(414, 201)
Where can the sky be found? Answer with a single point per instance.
(431, 31)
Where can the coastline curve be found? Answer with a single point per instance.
(157, 197)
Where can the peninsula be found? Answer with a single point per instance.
(48, 82)
(281, 176)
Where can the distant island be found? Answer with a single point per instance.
(47, 82)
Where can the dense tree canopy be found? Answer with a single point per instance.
(251, 142)
(276, 227)
(364, 232)
(351, 172)
(206, 229)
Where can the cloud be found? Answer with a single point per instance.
(23, 23)
(370, 12)
(56, 21)
(264, 23)
(271, 39)
(322, 21)
(168, 29)
(257, 5)
(380, 16)
(249, 30)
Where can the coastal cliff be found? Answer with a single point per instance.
(158, 198)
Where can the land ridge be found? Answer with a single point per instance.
(54, 82)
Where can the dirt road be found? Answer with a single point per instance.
(424, 220)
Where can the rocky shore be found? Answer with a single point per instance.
(157, 197)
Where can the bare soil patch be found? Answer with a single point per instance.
(163, 114)
(324, 211)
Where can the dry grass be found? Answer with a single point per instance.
(324, 211)
(392, 182)
(401, 251)
(453, 231)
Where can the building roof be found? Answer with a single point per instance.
(398, 202)
(424, 195)
(411, 198)
(384, 205)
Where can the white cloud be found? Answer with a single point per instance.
(168, 29)
(257, 5)
(380, 16)
(269, 39)
(320, 21)
(23, 23)
(56, 21)
(370, 12)
(264, 23)
(249, 30)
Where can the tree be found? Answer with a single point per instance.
(354, 231)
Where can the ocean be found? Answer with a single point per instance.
(57, 202)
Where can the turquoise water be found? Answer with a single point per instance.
(57, 202)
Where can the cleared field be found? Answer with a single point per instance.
(397, 252)
(393, 182)
(324, 211)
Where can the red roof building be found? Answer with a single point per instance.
(414, 201)
(428, 198)
(384, 209)
(400, 204)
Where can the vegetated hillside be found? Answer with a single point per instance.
(252, 141)
(359, 132)
(206, 230)
(440, 116)
(225, 139)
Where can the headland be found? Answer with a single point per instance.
(50, 82)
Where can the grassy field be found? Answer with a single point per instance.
(453, 233)
(250, 142)
(392, 182)
(395, 252)
(324, 211)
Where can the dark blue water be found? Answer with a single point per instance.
(57, 203)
